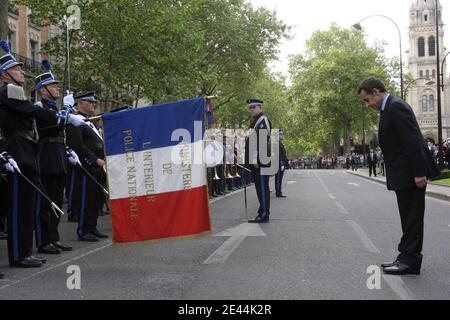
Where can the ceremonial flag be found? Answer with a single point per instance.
(209, 114)
(156, 188)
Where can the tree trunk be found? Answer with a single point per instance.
(4, 20)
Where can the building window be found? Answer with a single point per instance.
(421, 73)
(431, 46)
(33, 50)
(431, 103)
(433, 74)
(12, 41)
(421, 47)
(424, 104)
(425, 18)
(428, 74)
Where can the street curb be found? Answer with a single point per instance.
(431, 194)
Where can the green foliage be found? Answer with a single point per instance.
(327, 109)
(164, 50)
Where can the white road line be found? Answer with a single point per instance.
(57, 266)
(322, 183)
(368, 244)
(331, 196)
(399, 287)
(342, 208)
(237, 235)
(225, 250)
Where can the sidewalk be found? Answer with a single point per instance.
(434, 191)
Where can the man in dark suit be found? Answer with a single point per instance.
(409, 165)
(283, 165)
(372, 161)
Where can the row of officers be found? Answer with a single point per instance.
(44, 152)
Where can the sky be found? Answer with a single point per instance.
(306, 16)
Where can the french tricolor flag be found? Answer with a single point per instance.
(157, 184)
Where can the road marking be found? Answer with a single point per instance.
(342, 208)
(291, 182)
(353, 184)
(237, 235)
(363, 236)
(109, 243)
(331, 196)
(322, 183)
(399, 287)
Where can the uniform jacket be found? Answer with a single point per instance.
(52, 146)
(260, 122)
(374, 160)
(283, 157)
(86, 143)
(405, 151)
(17, 120)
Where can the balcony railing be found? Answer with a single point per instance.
(30, 66)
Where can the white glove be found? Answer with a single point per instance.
(73, 158)
(12, 166)
(282, 168)
(76, 120)
(69, 101)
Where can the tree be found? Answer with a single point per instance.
(167, 49)
(4, 19)
(324, 89)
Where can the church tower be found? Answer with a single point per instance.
(421, 93)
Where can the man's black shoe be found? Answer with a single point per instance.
(259, 219)
(389, 264)
(98, 234)
(281, 196)
(2, 275)
(39, 259)
(88, 237)
(26, 263)
(61, 246)
(401, 269)
(73, 218)
(49, 249)
(3, 235)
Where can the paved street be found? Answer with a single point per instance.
(318, 245)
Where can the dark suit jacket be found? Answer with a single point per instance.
(405, 151)
(375, 158)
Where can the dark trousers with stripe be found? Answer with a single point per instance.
(22, 200)
(47, 220)
(279, 182)
(3, 203)
(411, 205)
(262, 191)
(70, 189)
(87, 201)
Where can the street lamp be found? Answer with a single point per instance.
(439, 116)
(442, 71)
(72, 21)
(428, 83)
(357, 26)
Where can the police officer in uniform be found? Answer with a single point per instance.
(283, 163)
(54, 164)
(259, 162)
(17, 120)
(87, 142)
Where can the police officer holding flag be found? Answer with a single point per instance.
(17, 120)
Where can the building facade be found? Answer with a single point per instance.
(421, 92)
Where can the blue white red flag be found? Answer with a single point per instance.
(156, 188)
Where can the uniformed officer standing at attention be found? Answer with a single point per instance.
(17, 120)
(87, 142)
(259, 159)
(283, 163)
(54, 164)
